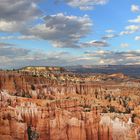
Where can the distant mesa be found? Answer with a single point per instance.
(43, 69)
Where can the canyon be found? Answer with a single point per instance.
(38, 103)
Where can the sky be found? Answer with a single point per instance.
(69, 32)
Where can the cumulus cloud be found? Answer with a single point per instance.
(130, 29)
(16, 57)
(19, 10)
(137, 38)
(61, 30)
(84, 4)
(9, 26)
(115, 57)
(95, 43)
(133, 28)
(109, 36)
(135, 8)
(12, 52)
(126, 32)
(13, 57)
(124, 45)
(137, 20)
(15, 14)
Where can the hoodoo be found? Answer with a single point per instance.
(68, 106)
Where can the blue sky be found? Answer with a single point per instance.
(69, 32)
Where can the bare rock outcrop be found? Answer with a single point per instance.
(55, 107)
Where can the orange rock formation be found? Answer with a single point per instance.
(65, 106)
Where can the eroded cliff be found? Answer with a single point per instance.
(67, 106)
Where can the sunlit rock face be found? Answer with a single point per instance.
(68, 106)
(121, 130)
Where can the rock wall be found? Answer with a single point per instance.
(45, 108)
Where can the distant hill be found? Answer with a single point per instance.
(130, 70)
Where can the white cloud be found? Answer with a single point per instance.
(116, 57)
(21, 37)
(84, 4)
(19, 10)
(109, 31)
(109, 36)
(15, 14)
(137, 38)
(135, 8)
(13, 56)
(62, 30)
(10, 26)
(124, 45)
(101, 62)
(133, 28)
(137, 20)
(11, 51)
(130, 29)
(126, 32)
(95, 43)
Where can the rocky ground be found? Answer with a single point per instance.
(60, 105)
